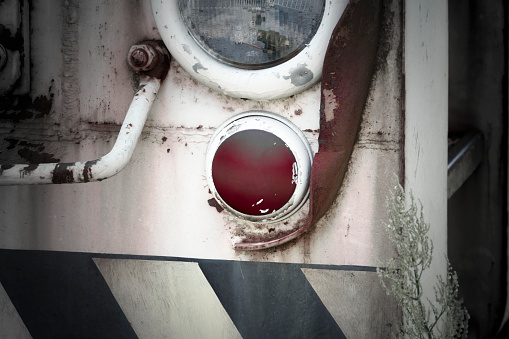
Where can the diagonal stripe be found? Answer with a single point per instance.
(61, 295)
(356, 300)
(166, 299)
(11, 325)
(268, 300)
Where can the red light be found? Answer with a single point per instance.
(253, 172)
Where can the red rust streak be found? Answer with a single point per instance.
(348, 68)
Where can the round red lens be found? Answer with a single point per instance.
(254, 172)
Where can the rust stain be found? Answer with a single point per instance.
(213, 203)
(162, 66)
(347, 72)
(87, 170)
(62, 174)
(330, 104)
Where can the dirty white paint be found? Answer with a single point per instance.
(209, 109)
(167, 299)
(266, 84)
(159, 204)
(426, 120)
(343, 293)
(330, 104)
(354, 223)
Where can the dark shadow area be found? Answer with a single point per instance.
(477, 211)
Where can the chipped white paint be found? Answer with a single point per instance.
(330, 104)
(167, 299)
(266, 84)
(103, 168)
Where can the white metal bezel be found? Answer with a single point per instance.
(286, 131)
(288, 78)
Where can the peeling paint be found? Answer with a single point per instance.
(338, 124)
(17, 108)
(27, 170)
(6, 167)
(35, 157)
(62, 174)
(87, 170)
(213, 203)
(300, 75)
(197, 66)
(330, 104)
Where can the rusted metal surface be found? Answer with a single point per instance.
(119, 156)
(348, 68)
(150, 58)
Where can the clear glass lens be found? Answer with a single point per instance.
(252, 33)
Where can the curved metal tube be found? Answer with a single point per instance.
(94, 170)
(347, 71)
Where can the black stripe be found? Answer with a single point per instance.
(61, 295)
(267, 300)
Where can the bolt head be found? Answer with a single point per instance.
(139, 57)
(142, 57)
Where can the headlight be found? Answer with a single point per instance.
(252, 34)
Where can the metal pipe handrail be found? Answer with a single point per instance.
(463, 159)
(92, 170)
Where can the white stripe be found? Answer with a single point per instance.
(167, 299)
(356, 300)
